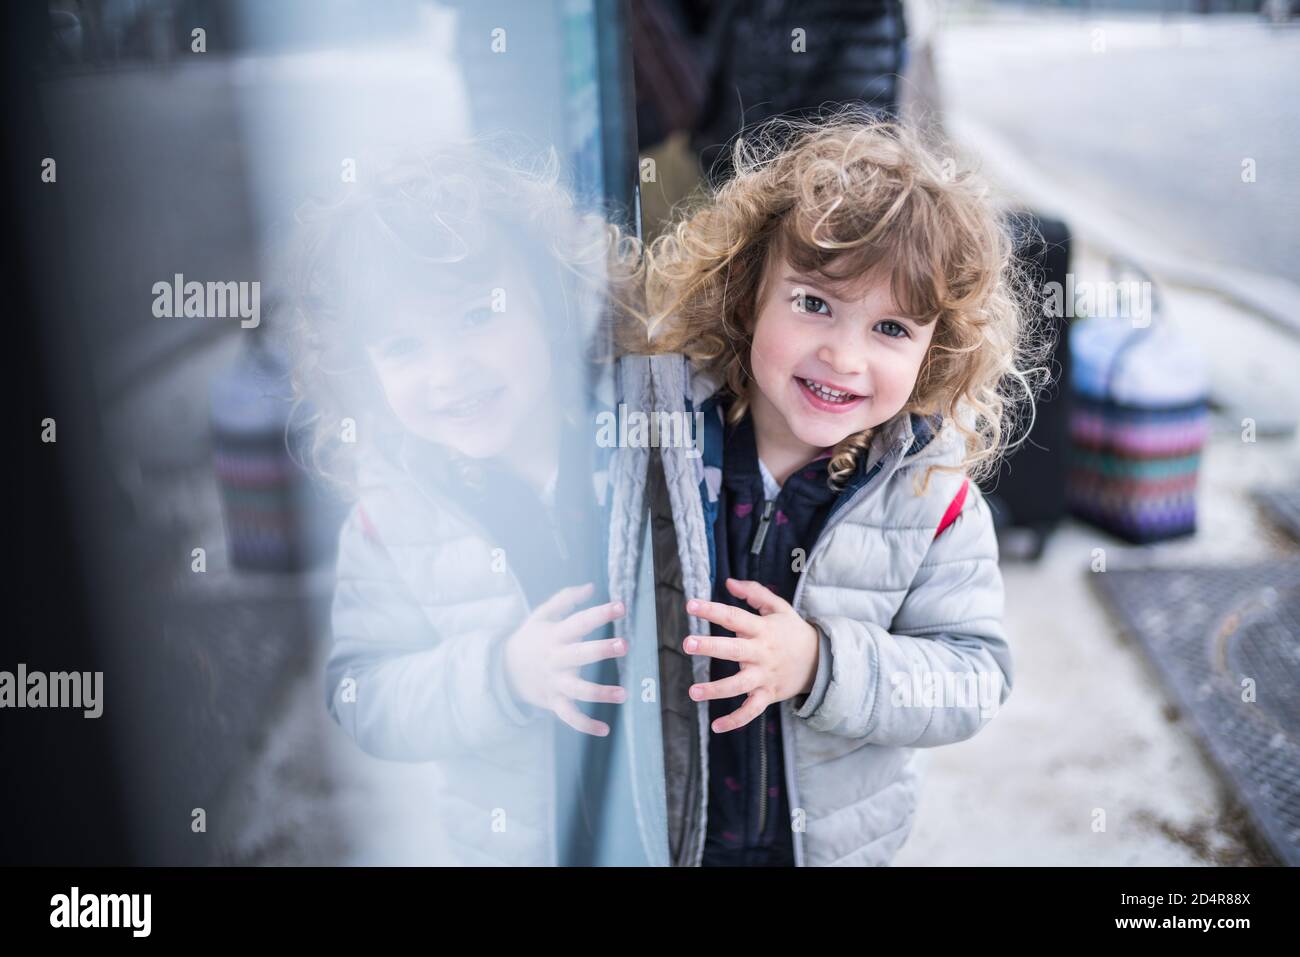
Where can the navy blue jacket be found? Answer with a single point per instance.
(749, 810)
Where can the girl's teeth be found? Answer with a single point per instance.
(468, 406)
(830, 395)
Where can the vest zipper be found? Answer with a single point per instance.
(760, 536)
(762, 773)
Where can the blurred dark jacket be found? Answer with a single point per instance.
(755, 64)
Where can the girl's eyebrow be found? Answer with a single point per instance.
(837, 288)
(824, 289)
(805, 281)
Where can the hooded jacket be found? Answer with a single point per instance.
(912, 650)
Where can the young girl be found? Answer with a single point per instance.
(443, 340)
(843, 313)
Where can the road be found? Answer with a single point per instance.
(1151, 118)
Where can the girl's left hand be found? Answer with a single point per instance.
(776, 649)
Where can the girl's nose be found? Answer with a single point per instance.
(448, 387)
(446, 374)
(843, 358)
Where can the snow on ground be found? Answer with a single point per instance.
(1087, 725)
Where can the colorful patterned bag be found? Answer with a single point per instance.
(1138, 424)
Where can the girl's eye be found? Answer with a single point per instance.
(895, 330)
(399, 347)
(813, 304)
(477, 317)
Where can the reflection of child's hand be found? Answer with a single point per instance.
(542, 658)
(777, 651)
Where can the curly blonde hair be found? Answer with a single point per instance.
(841, 196)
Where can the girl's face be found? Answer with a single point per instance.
(462, 374)
(832, 363)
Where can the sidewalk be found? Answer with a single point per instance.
(1088, 727)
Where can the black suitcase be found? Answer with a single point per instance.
(1027, 495)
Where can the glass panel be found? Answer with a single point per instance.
(333, 365)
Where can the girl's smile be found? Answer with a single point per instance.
(827, 398)
(471, 405)
(472, 379)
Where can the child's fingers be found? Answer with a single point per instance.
(741, 683)
(583, 623)
(563, 601)
(580, 690)
(746, 713)
(568, 712)
(732, 649)
(728, 616)
(758, 595)
(578, 653)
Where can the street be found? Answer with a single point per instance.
(1152, 119)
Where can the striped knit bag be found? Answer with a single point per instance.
(1138, 425)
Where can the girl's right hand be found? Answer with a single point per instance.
(542, 658)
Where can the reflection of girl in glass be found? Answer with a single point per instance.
(439, 335)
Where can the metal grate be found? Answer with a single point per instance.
(1226, 642)
(1282, 505)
